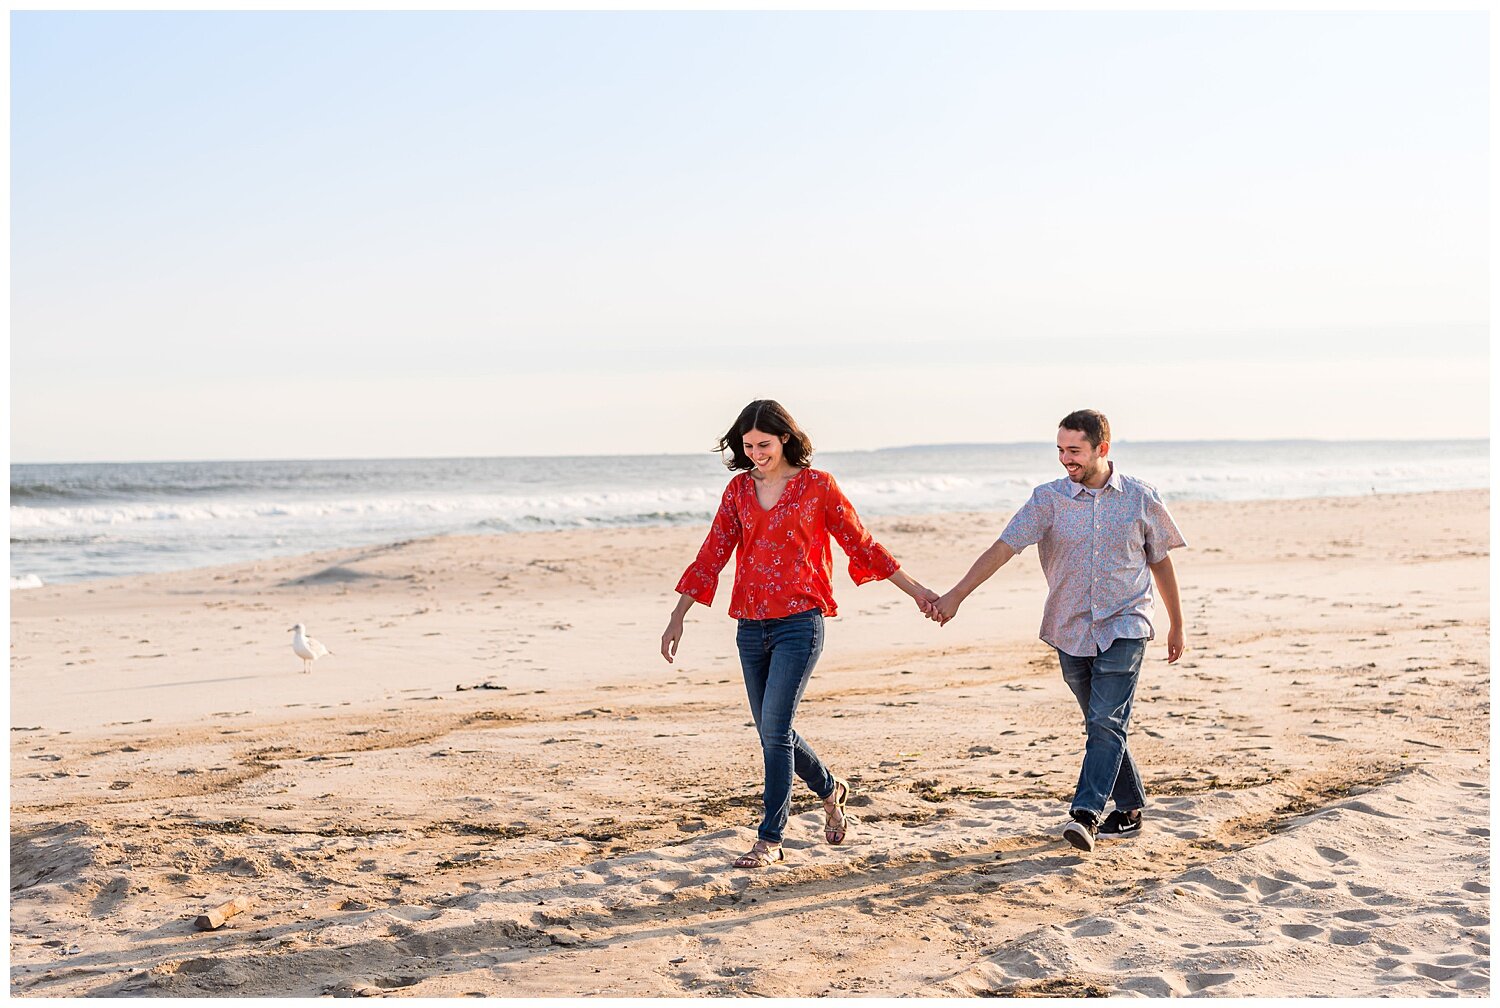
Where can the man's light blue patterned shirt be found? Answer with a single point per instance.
(1095, 546)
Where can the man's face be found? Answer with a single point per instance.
(1081, 460)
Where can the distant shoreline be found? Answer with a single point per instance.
(1044, 445)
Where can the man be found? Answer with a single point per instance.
(1098, 533)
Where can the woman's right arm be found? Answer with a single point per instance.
(699, 582)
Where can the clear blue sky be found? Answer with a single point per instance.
(393, 234)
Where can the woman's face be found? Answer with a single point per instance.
(764, 449)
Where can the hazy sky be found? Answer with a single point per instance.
(388, 234)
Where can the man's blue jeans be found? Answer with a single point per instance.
(777, 656)
(1105, 688)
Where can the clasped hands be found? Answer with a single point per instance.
(938, 608)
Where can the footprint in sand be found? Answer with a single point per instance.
(999, 803)
(1150, 987)
(1224, 887)
(1358, 915)
(1348, 937)
(1201, 981)
(1331, 855)
(1094, 928)
(1300, 931)
(679, 879)
(1269, 886)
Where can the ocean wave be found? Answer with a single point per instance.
(539, 523)
(101, 490)
(63, 540)
(856, 487)
(1273, 477)
(73, 522)
(577, 507)
(24, 581)
(603, 504)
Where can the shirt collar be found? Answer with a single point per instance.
(1115, 481)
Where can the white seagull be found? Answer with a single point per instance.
(306, 648)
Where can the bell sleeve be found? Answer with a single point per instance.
(868, 560)
(701, 579)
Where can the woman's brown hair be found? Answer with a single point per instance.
(770, 417)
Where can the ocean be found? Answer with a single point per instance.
(77, 522)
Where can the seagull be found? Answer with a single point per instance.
(306, 648)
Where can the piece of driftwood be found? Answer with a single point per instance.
(216, 917)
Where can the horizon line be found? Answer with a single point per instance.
(832, 451)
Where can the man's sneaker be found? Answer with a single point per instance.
(1080, 832)
(1119, 823)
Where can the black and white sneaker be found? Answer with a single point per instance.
(1119, 823)
(1081, 831)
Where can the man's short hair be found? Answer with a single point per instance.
(1090, 423)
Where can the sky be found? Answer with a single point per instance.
(338, 235)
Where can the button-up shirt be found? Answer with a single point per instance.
(1095, 547)
(784, 564)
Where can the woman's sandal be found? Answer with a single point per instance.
(760, 855)
(836, 823)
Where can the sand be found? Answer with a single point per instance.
(495, 786)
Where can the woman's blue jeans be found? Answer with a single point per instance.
(777, 656)
(1105, 688)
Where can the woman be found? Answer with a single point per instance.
(779, 513)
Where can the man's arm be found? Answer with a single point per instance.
(988, 563)
(1166, 590)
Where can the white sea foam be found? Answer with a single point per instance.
(86, 521)
(25, 581)
(602, 504)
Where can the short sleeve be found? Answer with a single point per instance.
(1028, 525)
(1162, 534)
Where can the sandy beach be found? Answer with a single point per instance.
(495, 786)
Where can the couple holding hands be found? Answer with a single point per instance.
(1102, 538)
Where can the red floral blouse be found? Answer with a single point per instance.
(785, 563)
